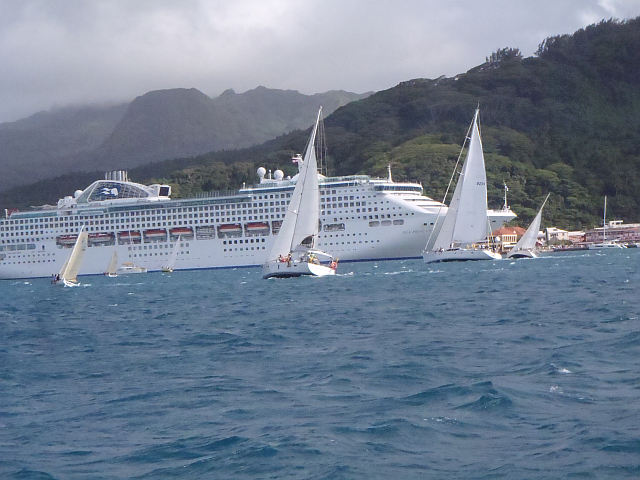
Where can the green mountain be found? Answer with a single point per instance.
(566, 121)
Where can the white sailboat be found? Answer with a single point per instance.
(466, 224)
(293, 253)
(69, 271)
(113, 265)
(525, 248)
(168, 268)
(605, 243)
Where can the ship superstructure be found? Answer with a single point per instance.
(361, 218)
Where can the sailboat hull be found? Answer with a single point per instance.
(460, 255)
(521, 254)
(295, 269)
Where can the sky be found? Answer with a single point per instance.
(59, 53)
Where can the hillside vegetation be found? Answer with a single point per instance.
(565, 121)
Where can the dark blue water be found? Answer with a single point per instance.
(505, 370)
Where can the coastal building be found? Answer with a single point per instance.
(555, 235)
(507, 237)
(615, 230)
(576, 236)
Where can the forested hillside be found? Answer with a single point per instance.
(566, 121)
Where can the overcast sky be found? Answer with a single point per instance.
(55, 53)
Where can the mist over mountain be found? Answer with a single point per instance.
(159, 125)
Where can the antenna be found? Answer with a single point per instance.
(506, 189)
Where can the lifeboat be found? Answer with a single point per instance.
(257, 228)
(129, 236)
(129, 233)
(181, 231)
(100, 238)
(186, 233)
(66, 240)
(230, 230)
(155, 233)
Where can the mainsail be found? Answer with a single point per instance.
(466, 220)
(528, 240)
(69, 271)
(300, 226)
(113, 265)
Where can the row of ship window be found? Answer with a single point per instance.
(177, 213)
(161, 215)
(326, 228)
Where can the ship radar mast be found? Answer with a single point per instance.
(505, 207)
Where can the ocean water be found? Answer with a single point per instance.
(492, 370)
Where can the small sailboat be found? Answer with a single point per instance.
(466, 224)
(605, 243)
(113, 265)
(69, 272)
(527, 243)
(168, 268)
(293, 253)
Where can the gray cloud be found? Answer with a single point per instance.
(61, 52)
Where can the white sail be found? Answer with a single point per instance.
(172, 259)
(69, 271)
(530, 237)
(466, 219)
(113, 265)
(444, 240)
(300, 223)
(471, 220)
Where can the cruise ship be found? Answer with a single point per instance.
(362, 218)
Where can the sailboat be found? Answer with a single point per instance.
(168, 268)
(605, 243)
(69, 271)
(466, 223)
(113, 265)
(527, 243)
(293, 253)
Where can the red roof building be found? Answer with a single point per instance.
(508, 237)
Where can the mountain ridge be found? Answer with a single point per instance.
(159, 125)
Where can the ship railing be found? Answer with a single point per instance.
(216, 193)
(347, 178)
